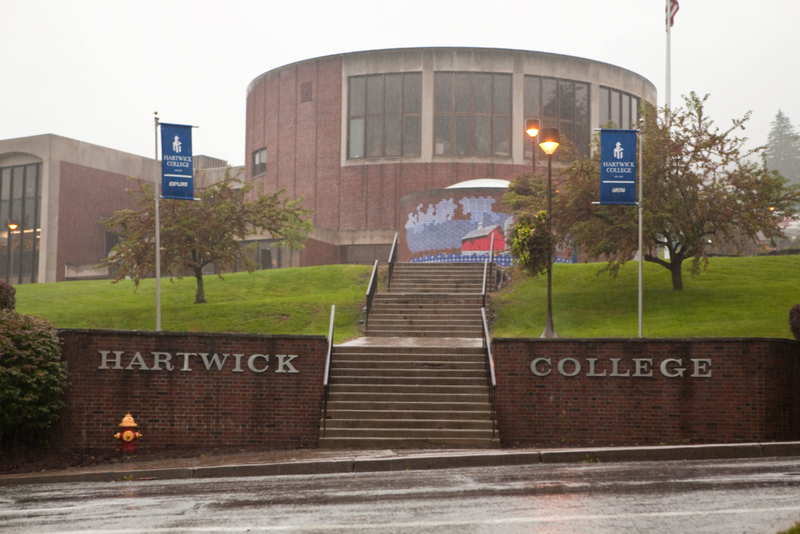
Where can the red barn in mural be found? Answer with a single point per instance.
(480, 240)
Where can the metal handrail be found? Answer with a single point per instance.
(491, 378)
(483, 289)
(372, 290)
(392, 261)
(326, 378)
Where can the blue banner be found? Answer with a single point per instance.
(177, 169)
(618, 167)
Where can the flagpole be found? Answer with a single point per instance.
(668, 14)
(158, 242)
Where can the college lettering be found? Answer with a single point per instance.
(183, 361)
(637, 367)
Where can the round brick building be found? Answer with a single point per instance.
(357, 133)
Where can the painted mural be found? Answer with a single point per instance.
(458, 232)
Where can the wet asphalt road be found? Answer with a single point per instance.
(726, 496)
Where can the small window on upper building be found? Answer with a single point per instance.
(259, 161)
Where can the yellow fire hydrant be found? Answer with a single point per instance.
(127, 435)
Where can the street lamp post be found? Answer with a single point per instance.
(549, 139)
(12, 225)
(532, 129)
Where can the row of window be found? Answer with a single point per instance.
(472, 114)
(20, 203)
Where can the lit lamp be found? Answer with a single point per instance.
(12, 225)
(549, 139)
(532, 129)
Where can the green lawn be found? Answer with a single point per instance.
(734, 297)
(279, 301)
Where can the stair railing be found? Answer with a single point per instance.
(483, 289)
(372, 290)
(491, 378)
(327, 377)
(392, 261)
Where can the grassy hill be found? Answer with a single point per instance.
(735, 297)
(279, 301)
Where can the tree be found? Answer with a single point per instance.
(209, 231)
(783, 149)
(33, 377)
(700, 186)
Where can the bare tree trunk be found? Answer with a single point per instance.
(200, 296)
(677, 278)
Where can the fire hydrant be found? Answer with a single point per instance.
(127, 435)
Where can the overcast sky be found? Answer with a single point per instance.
(97, 70)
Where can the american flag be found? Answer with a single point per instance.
(672, 8)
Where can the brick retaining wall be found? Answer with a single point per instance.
(259, 401)
(731, 390)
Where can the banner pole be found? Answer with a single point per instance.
(158, 243)
(641, 210)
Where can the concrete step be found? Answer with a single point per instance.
(408, 393)
(423, 378)
(422, 410)
(405, 349)
(475, 364)
(407, 433)
(407, 373)
(360, 424)
(432, 334)
(407, 443)
(409, 415)
(424, 323)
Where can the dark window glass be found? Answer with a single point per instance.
(443, 92)
(20, 199)
(550, 98)
(392, 137)
(411, 135)
(581, 103)
(615, 111)
(259, 161)
(412, 93)
(605, 110)
(474, 109)
(463, 135)
(381, 107)
(441, 134)
(626, 111)
(567, 101)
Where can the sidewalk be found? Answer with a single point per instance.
(324, 461)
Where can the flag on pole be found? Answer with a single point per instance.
(672, 9)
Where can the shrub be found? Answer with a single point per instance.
(532, 243)
(794, 321)
(7, 299)
(32, 377)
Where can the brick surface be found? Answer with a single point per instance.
(750, 396)
(201, 407)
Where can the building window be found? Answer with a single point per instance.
(306, 92)
(619, 107)
(259, 161)
(384, 115)
(20, 201)
(558, 103)
(472, 114)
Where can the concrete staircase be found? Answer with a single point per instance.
(430, 300)
(408, 397)
(419, 378)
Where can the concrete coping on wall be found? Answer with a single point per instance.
(643, 340)
(183, 334)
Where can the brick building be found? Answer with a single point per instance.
(357, 134)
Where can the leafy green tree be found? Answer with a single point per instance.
(700, 186)
(33, 377)
(209, 231)
(783, 149)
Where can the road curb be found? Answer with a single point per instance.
(425, 461)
